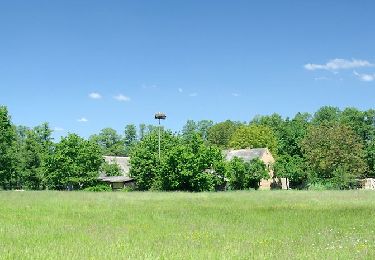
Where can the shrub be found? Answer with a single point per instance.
(245, 175)
(99, 188)
(182, 165)
(110, 169)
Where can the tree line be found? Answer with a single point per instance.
(331, 148)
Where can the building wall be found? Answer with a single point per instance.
(117, 185)
(272, 182)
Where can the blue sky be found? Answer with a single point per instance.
(191, 59)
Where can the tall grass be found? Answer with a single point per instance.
(231, 225)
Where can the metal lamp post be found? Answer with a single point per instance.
(160, 116)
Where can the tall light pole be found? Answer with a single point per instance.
(160, 116)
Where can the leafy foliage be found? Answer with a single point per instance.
(130, 137)
(191, 128)
(182, 166)
(221, 133)
(187, 167)
(330, 149)
(333, 149)
(75, 162)
(7, 139)
(370, 157)
(293, 168)
(110, 169)
(245, 175)
(98, 188)
(144, 158)
(110, 142)
(254, 136)
(326, 114)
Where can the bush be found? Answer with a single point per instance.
(341, 180)
(99, 188)
(110, 169)
(334, 151)
(321, 186)
(245, 175)
(183, 164)
(75, 162)
(128, 189)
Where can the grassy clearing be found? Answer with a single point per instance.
(240, 225)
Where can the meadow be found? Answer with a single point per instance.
(222, 225)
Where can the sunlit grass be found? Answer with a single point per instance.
(240, 225)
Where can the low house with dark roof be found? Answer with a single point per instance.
(266, 157)
(118, 182)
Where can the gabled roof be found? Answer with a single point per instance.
(123, 162)
(246, 154)
(112, 179)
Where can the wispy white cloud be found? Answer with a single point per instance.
(58, 129)
(365, 77)
(235, 94)
(122, 98)
(180, 90)
(338, 64)
(82, 120)
(193, 94)
(95, 95)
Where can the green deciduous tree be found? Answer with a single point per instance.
(130, 137)
(274, 121)
(144, 158)
(221, 133)
(30, 161)
(110, 169)
(293, 168)
(201, 127)
(43, 134)
(145, 130)
(189, 129)
(110, 142)
(33, 146)
(75, 162)
(245, 175)
(330, 148)
(292, 133)
(254, 136)
(192, 166)
(370, 158)
(7, 142)
(326, 114)
(363, 123)
(182, 166)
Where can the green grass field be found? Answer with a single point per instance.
(232, 225)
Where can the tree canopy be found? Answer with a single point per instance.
(7, 139)
(332, 147)
(254, 136)
(75, 162)
(220, 134)
(184, 163)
